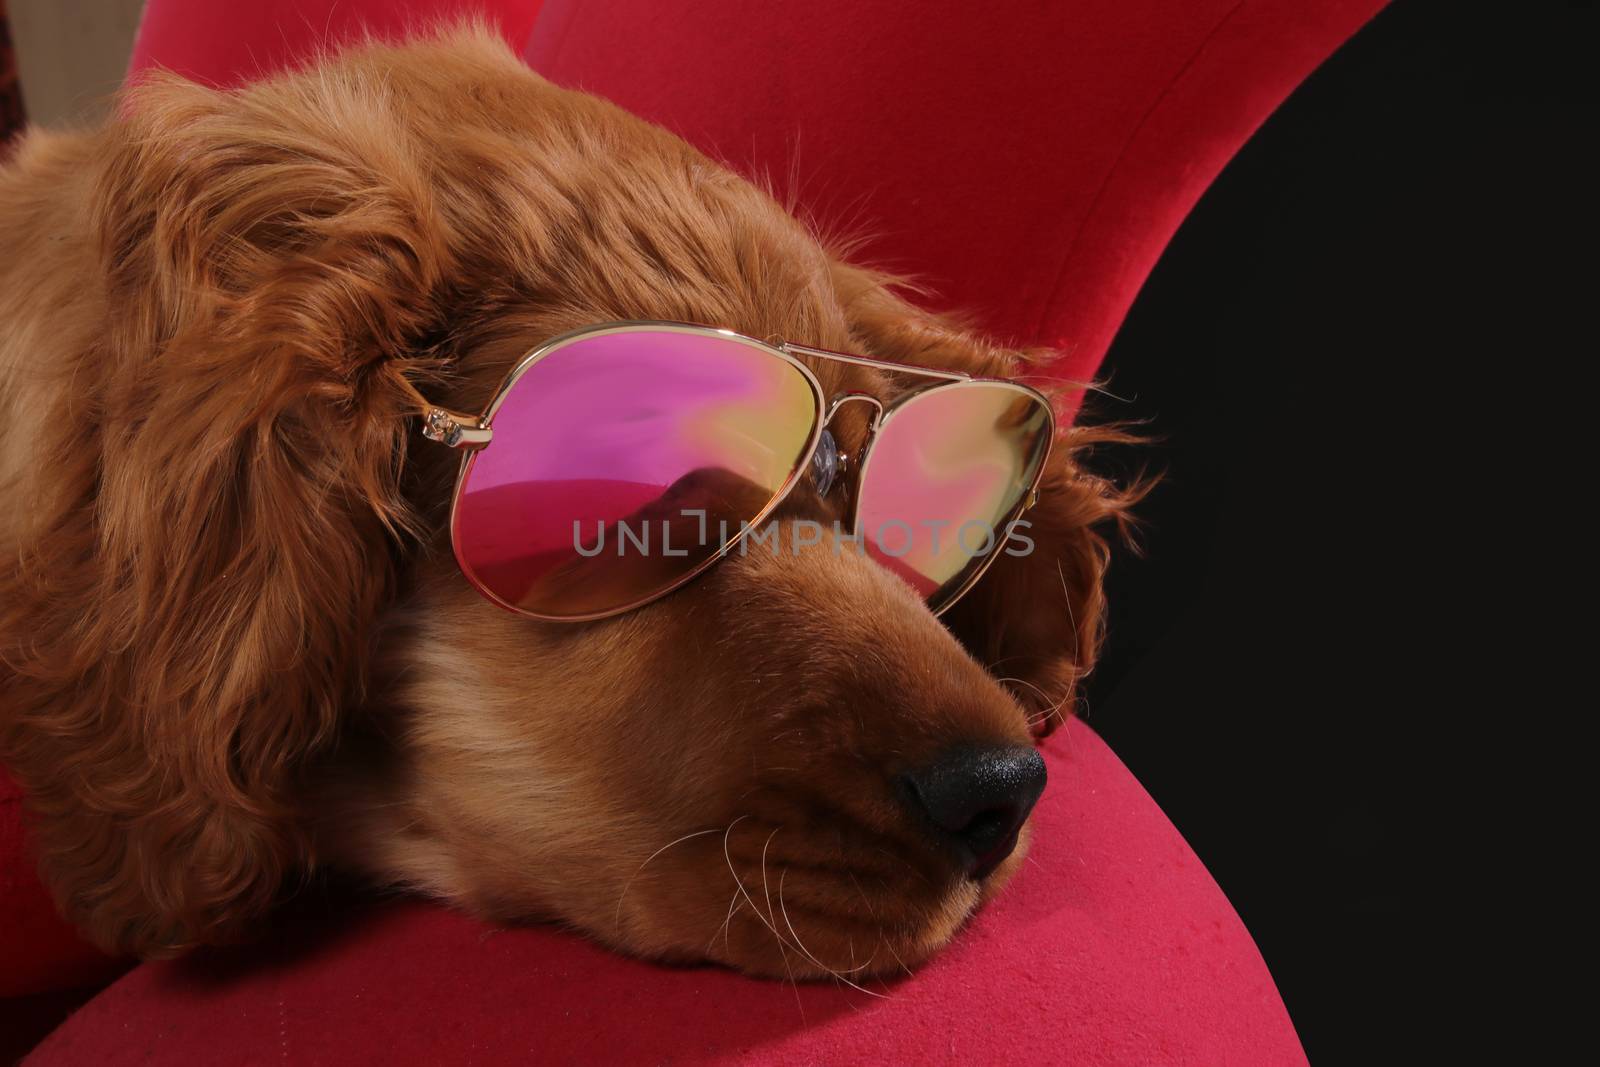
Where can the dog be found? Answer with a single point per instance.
(235, 650)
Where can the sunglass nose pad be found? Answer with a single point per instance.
(827, 463)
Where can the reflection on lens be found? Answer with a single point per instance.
(947, 471)
(621, 462)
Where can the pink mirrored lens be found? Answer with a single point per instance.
(947, 472)
(622, 462)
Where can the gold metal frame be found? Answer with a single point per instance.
(1025, 500)
(471, 434)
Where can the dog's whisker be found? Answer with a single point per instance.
(1023, 681)
(1052, 707)
(1072, 616)
(796, 985)
(872, 912)
(629, 883)
(783, 946)
(737, 881)
(765, 891)
(801, 946)
(726, 929)
(856, 968)
(884, 941)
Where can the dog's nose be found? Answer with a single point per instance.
(976, 799)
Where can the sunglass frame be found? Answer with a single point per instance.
(471, 434)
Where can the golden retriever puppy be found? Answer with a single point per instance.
(235, 647)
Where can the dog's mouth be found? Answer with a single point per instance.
(790, 903)
(850, 922)
(843, 881)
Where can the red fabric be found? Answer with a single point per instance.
(229, 43)
(39, 952)
(1028, 161)
(1112, 946)
(26, 1020)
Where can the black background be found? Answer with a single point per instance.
(1340, 353)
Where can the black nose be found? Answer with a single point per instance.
(976, 799)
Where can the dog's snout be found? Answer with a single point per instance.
(976, 800)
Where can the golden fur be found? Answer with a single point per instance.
(234, 646)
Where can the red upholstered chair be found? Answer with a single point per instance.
(1027, 162)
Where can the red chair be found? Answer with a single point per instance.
(1028, 165)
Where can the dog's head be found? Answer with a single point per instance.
(237, 645)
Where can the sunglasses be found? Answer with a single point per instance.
(618, 462)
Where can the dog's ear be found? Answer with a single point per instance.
(1036, 618)
(215, 524)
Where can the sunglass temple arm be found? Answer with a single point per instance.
(456, 430)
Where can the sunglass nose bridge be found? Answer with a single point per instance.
(830, 464)
(853, 398)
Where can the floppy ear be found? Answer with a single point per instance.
(216, 499)
(1034, 620)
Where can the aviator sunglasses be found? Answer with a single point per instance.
(618, 462)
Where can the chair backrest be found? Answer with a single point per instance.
(228, 43)
(1026, 161)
